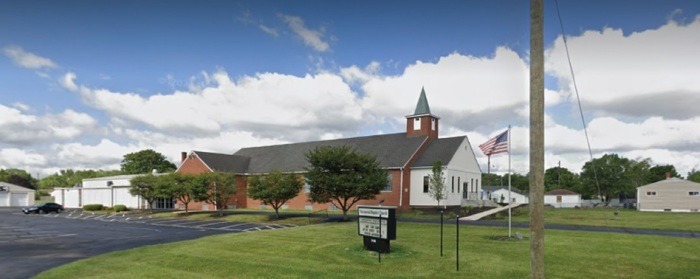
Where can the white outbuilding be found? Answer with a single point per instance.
(498, 193)
(107, 191)
(562, 198)
(15, 195)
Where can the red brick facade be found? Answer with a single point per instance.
(400, 178)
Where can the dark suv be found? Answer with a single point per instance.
(43, 208)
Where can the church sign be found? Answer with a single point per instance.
(377, 226)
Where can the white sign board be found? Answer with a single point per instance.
(374, 212)
(370, 227)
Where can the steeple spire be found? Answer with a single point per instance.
(422, 107)
(422, 122)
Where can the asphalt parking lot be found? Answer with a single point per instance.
(30, 244)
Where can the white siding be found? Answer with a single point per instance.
(567, 201)
(418, 198)
(14, 195)
(463, 166)
(516, 197)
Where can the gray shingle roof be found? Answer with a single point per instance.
(561, 192)
(439, 149)
(392, 151)
(223, 162)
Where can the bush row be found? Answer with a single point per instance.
(96, 207)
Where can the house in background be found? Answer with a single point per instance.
(15, 195)
(407, 157)
(562, 198)
(107, 191)
(494, 193)
(671, 194)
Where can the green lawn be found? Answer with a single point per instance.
(335, 251)
(605, 217)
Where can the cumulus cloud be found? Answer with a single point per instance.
(26, 59)
(467, 91)
(642, 74)
(310, 37)
(17, 158)
(24, 129)
(267, 104)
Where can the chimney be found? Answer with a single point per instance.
(668, 175)
(183, 156)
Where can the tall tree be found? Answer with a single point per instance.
(185, 189)
(342, 176)
(148, 187)
(492, 179)
(561, 178)
(145, 161)
(221, 186)
(694, 175)
(18, 177)
(615, 174)
(274, 189)
(520, 181)
(659, 172)
(436, 181)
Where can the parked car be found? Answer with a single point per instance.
(43, 208)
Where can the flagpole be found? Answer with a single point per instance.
(488, 170)
(510, 201)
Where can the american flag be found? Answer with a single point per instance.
(498, 144)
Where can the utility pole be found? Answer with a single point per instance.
(536, 139)
(559, 176)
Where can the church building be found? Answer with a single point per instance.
(408, 158)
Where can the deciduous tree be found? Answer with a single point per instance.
(185, 189)
(221, 186)
(658, 172)
(145, 161)
(18, 177)
(436, 181)
(274, 189)
(694, 175)
(148, 187)
(342, 176)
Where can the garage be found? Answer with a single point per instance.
(15, 195)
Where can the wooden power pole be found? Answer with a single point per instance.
(536, 139)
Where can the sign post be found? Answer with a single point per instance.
(377, 226)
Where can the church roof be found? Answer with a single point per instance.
(422, 107)
(439, 150)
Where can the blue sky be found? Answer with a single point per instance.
(84, 82)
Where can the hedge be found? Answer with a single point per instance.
(120, 208)
(92, 207)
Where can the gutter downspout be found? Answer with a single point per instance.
(400, 186)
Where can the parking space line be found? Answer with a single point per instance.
(236, 225)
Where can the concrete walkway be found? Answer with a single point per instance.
(480, 215)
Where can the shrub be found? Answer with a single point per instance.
(92, 207)
(120, 208)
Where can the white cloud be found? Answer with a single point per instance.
(467, 91)
(26, 59)
(24, 129)
(270, 105)
(269, 30)
(312, 38)
(649, 73)
(17, 158)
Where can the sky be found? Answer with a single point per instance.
(82, 83)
